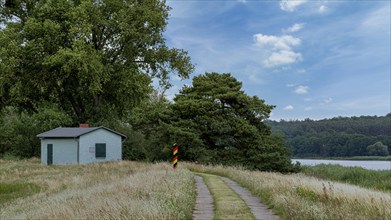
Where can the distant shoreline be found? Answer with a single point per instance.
(388, 158)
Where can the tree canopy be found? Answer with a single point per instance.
(337, 137)
(95, 59)
(214, 121)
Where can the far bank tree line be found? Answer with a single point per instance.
(63, 63)
(337, 137)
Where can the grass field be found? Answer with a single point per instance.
(115, 190)
(372, 179)
(133, 190)
(297, 196)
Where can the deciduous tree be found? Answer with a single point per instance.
(95, 58)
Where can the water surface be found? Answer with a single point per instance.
(367, 164)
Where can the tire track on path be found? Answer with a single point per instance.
(204, 208)
(259, 210)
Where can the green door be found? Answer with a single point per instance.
(50, 154)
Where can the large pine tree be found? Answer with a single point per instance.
(216, 122)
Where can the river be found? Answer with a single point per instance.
(367, 164)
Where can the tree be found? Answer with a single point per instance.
(94, 58)
(18, 130)
(216, 122)
(377, 149)
(148, 118)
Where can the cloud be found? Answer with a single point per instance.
(279, 49)
(294, 28)
(284, 42)
(376, 21)
(322, 9)
(242, 1)
(291, 5)
(282, 57)
(301, 71)
(288, 108)
(302, 89)
(308, 108)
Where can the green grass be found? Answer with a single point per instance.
(372, 179)
(11, 191)
(228, 204)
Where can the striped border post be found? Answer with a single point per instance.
(175, 156)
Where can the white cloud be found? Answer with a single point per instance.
(291, 5)
(284, 42)
(322, 9)
(294, 28)
(279, 49)
(288, 108)
(308, 108)
(281, 58)
(242, 1)
(290, 85)
(302, 89)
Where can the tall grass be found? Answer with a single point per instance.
(297, 196)
(114, 190)
(11, 191)
(373, 179)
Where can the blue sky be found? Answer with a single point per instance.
(312, 59)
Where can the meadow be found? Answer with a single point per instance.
(372, 179)
(114, 190)
(298, 196)
(136, 190)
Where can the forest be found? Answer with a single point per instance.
(337, 137)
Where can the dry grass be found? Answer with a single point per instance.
(115, 190)
(298, 196)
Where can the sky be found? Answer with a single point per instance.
(312, 59)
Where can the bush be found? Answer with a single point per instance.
(18, 130)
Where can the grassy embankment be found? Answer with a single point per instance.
(297, 196)
(372, 179)
(115, 190)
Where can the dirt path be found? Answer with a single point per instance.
(259, 210)
(204, 208)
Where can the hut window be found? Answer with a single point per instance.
(100, 150)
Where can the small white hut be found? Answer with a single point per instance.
(80, 145)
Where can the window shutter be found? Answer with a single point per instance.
(100, 150)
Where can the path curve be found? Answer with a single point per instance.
(259, 210)
(204, 209)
